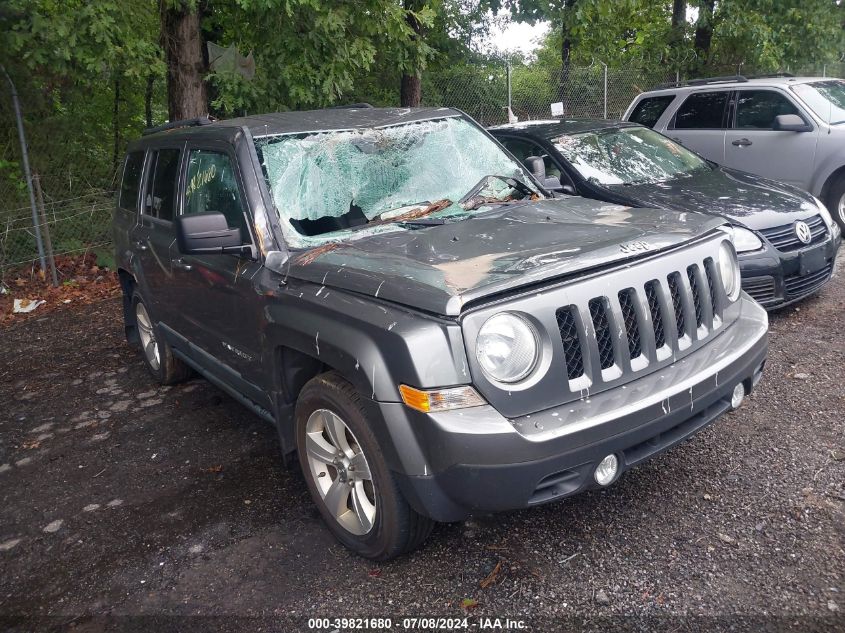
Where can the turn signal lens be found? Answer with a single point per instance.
(440, 399)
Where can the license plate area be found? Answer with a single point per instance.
(812, 261)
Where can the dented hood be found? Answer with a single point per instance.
(440, 268)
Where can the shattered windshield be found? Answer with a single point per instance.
(826, 98)
(329, 186)
(628, 156)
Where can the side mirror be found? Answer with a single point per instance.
(207, 234)
(537, 167)
(791, 123)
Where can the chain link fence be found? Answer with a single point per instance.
(73, 202)
(74, 168)
(595, 91)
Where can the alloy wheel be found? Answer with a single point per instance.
(340, 471)
(147, 335)
(840, 209)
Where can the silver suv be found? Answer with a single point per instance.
(790, 129)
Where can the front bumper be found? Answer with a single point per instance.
(775, 279)
(476, 461)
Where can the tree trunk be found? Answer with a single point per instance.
(704, 29)
(148, 99)
(679, 19)
(410, 88)
(187, 95)
(410, 91)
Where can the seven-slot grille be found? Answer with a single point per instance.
(784, 238)
(662, 314)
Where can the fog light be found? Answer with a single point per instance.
(606, 470)
(738, 396)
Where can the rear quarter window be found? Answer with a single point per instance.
(132, 169)
(648, 111)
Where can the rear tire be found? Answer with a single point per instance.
(157, 354)
(835, 201)
(347, 474)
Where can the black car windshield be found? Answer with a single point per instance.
(627, 156)
(825, 98)
(337, 185)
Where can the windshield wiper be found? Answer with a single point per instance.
(422, 222)
(513, 183)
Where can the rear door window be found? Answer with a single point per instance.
(132, 169)
(648, 111)
(757, 109)
(160, 192)
(702, 111)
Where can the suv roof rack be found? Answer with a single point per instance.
(350, 106)
(771, 76)
(172, 125)
(717, 80)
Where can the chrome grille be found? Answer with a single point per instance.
(692, 275)
(785, 239)
(632, 327)
(656, 317)
(568, 329)
(674, 281)
(639, 314)
(604, 339)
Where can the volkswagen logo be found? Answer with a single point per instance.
(803, 232)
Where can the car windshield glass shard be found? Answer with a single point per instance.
(330, 186)
(825, 98)
(628, 156)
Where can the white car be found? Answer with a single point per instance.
(786, 128)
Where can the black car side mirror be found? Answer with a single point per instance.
(791, 123)
(207, 234)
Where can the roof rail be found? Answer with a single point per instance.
(717, 80)
(350, 106)
(172, 125)
(771, 76)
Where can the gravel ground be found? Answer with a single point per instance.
(121, 498)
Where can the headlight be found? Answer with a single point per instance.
(745, 240)
(824, 213)
(507, 347)
(729, 270)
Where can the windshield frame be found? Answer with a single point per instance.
(623, 129)
(823, 118)
(295, 240)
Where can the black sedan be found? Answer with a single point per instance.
(786, 239)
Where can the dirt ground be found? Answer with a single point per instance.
(124, 499)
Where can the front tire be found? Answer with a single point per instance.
(157, 354)
(835, 201)
(347, 474)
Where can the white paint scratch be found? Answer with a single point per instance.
(317, 343)
(379, 288)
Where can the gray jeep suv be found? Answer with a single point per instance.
(790, 129)
(430, 330)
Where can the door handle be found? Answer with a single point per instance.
(180, 264)
(741, 142)
(140, 245)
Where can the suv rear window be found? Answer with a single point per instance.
(132, 169)
(649, 110)
(702, 110)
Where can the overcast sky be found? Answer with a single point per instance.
(518, 36)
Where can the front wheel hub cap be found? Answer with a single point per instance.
(340, 471)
